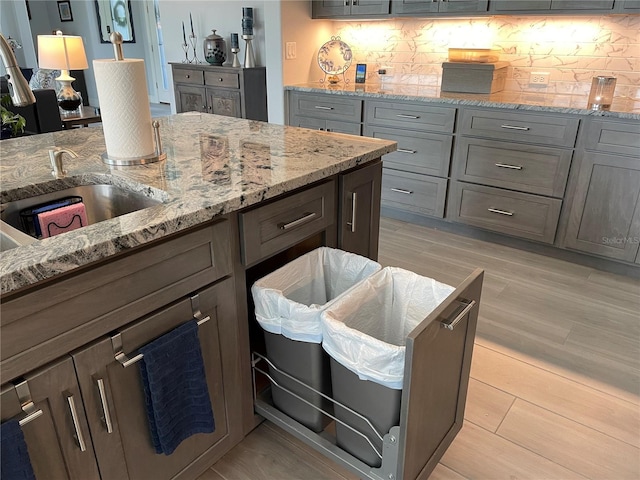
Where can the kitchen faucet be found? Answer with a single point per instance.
(21, 94)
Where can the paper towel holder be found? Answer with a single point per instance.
(156, 156)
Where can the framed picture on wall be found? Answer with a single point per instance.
(64, 9)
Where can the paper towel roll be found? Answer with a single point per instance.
(124, 107)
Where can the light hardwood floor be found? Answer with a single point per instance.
(555, 385)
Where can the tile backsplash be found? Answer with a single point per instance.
(571, 49)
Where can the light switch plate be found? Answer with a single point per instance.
(290, 51)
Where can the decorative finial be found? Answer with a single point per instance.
(116, 39)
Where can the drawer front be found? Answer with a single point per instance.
(520, 127)
(274, 227)
(527, 168)
(414, 116)
(426, 153)
(328, 107)
(186, 75)
(410, 192)
(222, 79)
(326, 125)
(518, 214)
(612, 137)
(76, 310)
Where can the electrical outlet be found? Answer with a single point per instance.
(290, 51)
(539, 78)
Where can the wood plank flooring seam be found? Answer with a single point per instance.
(533, 363)
(515, 397)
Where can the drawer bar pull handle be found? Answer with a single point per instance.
(506, 165)
(400, 190)
(354, 208)
(404, 150)
(76, 422)
(304, 219)
(320, 107)
(501, 212)
(26, 403)
(402, 115)
(116, 340)
(515, 127)
(450, 325)
(106, 414)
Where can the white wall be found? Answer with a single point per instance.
(14, 23)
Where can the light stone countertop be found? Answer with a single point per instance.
(622, 107)
(215, 165)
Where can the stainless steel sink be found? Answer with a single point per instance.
(102, 202)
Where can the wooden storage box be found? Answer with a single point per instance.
(474, 77)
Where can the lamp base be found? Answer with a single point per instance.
(68, 99)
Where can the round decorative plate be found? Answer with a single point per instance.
(334, 57)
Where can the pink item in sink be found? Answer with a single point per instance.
(63, 219)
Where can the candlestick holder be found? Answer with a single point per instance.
(185, 47)
(249, 58)
(234, 53)
(193, 40)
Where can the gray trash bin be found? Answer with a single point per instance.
(288, 305)
(364, 332)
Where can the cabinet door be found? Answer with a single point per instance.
(224, 102)
(581, 5)
(54, 438)
(369, 7)
(360, 210)
(123, 445)
(190, 99)
(628, 6)
(520, 5)
(470, 6)
(605, 215)
(414, 6)
(330, 8)
(308, 122)
(343, 127)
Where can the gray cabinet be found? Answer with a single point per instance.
(58, 440)
(233, 92)
(550, 6)
(122, 444)
(346, 8)
(604, 217)
(93, 407)
(416, 175)
(325, 112)
(439, 6)
(627, 6)
(359, 210)
(510, 171)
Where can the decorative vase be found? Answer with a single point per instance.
(215, 49)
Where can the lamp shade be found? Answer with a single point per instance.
(61, 52)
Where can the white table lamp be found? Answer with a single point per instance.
(64, 53)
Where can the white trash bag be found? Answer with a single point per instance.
(365, 330)
(289, 301)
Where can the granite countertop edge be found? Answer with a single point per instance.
(622, 108)
(47, 258)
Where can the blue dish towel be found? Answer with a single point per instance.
(175, 388)
(16, 464)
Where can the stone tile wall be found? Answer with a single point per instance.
(571, 49)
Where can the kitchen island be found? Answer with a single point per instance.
(236, 198)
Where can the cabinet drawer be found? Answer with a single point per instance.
(527, 168)
(222, 79)
(328, 107)
(426, 153)
(609, 136)
(410, 192)
(520, 127)
(276, 226)
(519, 214)
(326, 125)
(424, 118)
(185, 75)
(83, 306)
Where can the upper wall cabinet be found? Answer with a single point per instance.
(553, 6)
(349, 8)
(627, 6)
(438, 6)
